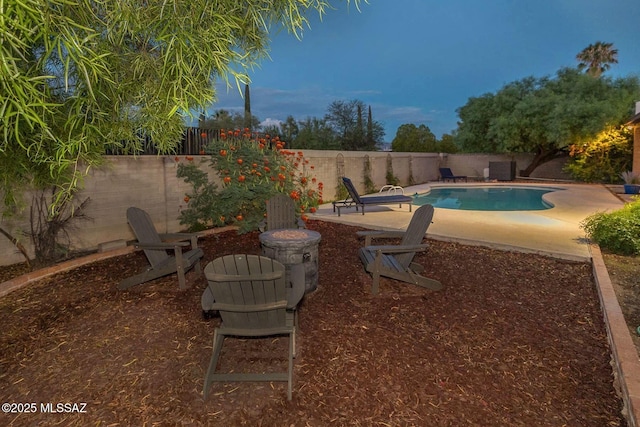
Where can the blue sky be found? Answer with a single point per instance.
(417, 61)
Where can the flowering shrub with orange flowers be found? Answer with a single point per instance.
(252, 168)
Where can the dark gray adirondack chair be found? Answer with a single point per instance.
(254, 300)
(281, 213)
(358, 201)
(396, 261)
(163, 251)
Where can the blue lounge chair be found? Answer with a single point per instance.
(356, 200)
(445, 174)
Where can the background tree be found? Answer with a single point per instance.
(597, 58)
(343, 117)
(289, 130)
(412, 138)
(315, 134)
(447, 144)
(545, 116)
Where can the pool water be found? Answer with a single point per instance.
(496, 198)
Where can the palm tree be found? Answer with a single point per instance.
(597, 58)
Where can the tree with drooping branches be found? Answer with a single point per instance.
(78, 77)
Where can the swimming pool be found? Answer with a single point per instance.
(486, 198)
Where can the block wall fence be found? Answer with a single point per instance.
(150, 182)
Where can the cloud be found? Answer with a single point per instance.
(269, 122)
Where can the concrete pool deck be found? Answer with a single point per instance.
(553, 231)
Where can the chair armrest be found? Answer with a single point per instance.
(369, 235)
(214, 277)
(192, 237)
(249, 308)
(161, 245)
(397, 249)
(298, 286)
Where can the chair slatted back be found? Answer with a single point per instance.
(146, 232)
(351, 189)
(249, 290)
(420, 222)
(281, 212)
(446, 173)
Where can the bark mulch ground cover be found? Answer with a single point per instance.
(513, 339)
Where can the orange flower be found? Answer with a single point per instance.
(227, 179)
(239, 217)
(189, 158)
(223, 153)
(312, 210)
(304, 218)
(241, 178)
(267, 169)
(186, 199)
(240, 161)
(203, 134)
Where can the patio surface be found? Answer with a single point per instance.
(553, 231)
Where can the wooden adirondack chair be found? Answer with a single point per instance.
(396, 261)
(281, 213)
(254, 300)
(163, 251)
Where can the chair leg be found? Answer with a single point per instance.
(376, 283)
(377, 265)
(290, 377)
(217, 347)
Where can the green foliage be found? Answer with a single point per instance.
(251, 171)
(618, 231)
(447, 144)
(369, 187)
(603, 158)
(311, 133)
(341, 190)
(420, 139)
(412, 138)
(390, 177)
(545, 116)
(345, 118)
